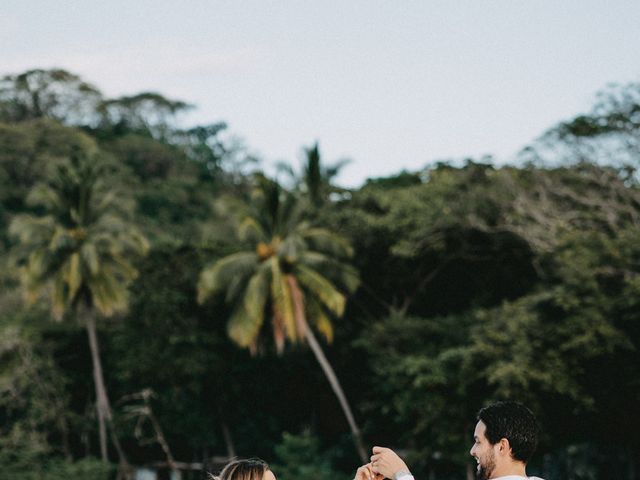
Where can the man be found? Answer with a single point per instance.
(505, 438)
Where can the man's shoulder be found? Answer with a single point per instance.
(518, 477)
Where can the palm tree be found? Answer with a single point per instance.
(317, 178)
(78, 252)
(291, 273)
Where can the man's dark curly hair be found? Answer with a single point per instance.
(516, 423)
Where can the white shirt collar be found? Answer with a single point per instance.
(516, 477)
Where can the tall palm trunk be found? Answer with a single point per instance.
(103, 407)
(98, 383)
(226, 433)
(337, 389)
(228, 440)
(298, 302)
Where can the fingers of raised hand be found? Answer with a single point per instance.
(377, 467)
(365, 473)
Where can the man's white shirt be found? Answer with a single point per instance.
(516, 477)
(405, 476)
(408, 476)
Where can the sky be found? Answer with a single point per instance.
(390, 85)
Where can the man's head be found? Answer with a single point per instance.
(505, 438)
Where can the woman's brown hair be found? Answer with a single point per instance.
(247, 469)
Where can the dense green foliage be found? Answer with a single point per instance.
(476, 283)
(300, 456)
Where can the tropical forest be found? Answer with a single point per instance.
(167, 302)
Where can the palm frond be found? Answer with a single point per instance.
(121, 240)
(251, 231)
(73, 275)
(339, 273)
(322, 240)
(36, 265)
(279, 333)
(121, 267)
(297, 297)
(90, 258)
(215, 278)
(235, 288)
(247, 319)
(112, 203)
(59, 298)
(61, 240)
(44, 196)
(322, 289)
(291, 248)
(317, 316)
(289, 215)
(332, 170)
(266, 203)
(31, 230)
(257, 291)
(281, 296)
(108, 294)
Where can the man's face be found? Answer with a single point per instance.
(483, 452)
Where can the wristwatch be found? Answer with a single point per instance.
(403, 475)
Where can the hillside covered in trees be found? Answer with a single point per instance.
(164, 303)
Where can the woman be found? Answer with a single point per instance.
(249, 469)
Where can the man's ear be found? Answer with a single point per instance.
(504, 447)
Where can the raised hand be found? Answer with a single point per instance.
(365, 473)
(387, 463)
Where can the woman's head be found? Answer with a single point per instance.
(249, 469)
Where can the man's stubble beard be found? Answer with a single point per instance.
(485, 468)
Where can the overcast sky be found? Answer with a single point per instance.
(388, 84)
